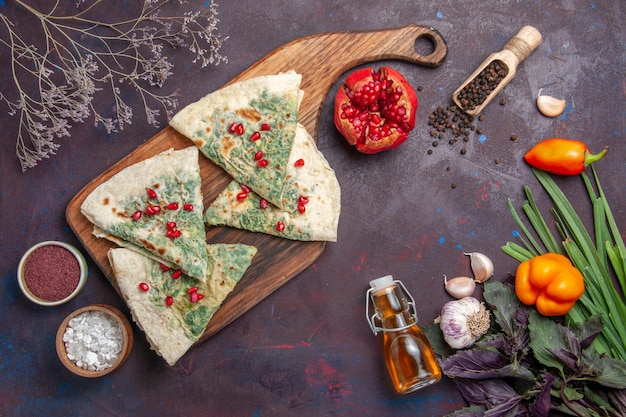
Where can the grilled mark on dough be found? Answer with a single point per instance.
(249, 114)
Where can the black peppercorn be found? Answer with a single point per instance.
(476, 91)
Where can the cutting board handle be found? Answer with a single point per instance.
(322, 58)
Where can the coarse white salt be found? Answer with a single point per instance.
(93, 340)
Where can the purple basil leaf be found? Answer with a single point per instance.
(568, 359)
(546, 335)
(574, 344)
(519, 343)
(471, 390)
(604, 370)
(496, 341)
(474, 363)
(486, 392)
(504, 304)
(516, 370)
(499, 398)
(541, 406)
(587, 330)
(521, 316)
(509, 408)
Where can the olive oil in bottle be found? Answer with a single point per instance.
(408, 355)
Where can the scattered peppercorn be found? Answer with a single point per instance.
(453, 185)
(450, 121)
(513, 138)
(503, 101)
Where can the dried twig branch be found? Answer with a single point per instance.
(83, 54)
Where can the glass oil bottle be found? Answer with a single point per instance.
(408, 355)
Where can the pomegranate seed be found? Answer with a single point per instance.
(169, 300)
(255, 136)
(137, 215)
(172, 206)
(192, 290)
(164, 267)
(170, 225)
(262, 163)
(173, 233)
(236, 128)
(152, 210)
(244, 188)
(242, 196)
(303, 199)
(176, 274)
(280, 226)
(301, 208)
(299, 163)
(258, 155)
(193, 297)
(263, 204)
(144, 287)
(266, 127)
(188, 207)
(151, 193)
(200, 296)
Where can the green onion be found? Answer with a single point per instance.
(601, 261)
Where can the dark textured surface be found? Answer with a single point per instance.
(307, 348)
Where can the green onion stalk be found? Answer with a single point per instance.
(601, 259)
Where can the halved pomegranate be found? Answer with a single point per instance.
(375, 110)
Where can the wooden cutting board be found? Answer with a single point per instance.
(321, 59)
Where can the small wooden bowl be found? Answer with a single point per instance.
(127, 344)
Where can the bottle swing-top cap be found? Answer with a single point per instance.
(382, 282)
(379, 284)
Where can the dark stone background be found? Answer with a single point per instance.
(307, 350)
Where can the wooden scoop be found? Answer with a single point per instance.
(514, 52)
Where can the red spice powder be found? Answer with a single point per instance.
(51, 272)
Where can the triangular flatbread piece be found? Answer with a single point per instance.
(172, 329)
(156, 204)
(311, 181)
(247, 128)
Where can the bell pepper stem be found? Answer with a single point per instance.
(590, 158)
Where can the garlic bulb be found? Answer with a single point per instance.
(482, 267)
(550, 106)
(459, 287)
(463, 322)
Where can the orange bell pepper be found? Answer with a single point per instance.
(550, 282)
